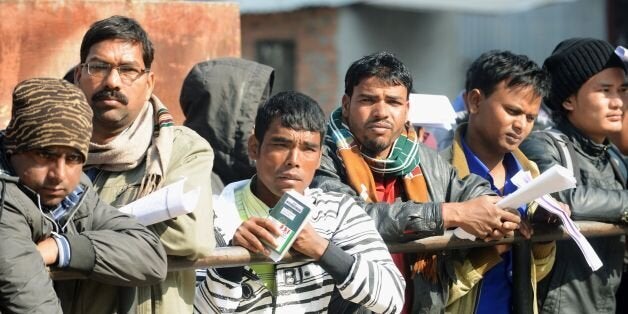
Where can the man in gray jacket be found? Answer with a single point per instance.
(585, 98)
(51, 217)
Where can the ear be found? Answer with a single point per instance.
(253, 147)
(472, 100)
(150, 84)
(346, 100)
(77, 74)
(569, 103)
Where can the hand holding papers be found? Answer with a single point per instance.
(431, 111)
(552, 206)
(555, 179)
(163, 204)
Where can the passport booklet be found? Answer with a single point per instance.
(291, 214)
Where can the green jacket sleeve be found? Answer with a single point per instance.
(190, 235)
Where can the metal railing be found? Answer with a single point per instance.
(237, 256)
(522, 298)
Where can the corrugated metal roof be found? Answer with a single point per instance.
(471, 6)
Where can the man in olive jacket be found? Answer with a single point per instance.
(51, 216)
(136, 149)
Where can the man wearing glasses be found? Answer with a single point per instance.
(135, 149)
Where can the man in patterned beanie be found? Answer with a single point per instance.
(50, 216)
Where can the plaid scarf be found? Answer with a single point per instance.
(403, 161)
(149, 138)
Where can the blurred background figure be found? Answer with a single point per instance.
(219, 99)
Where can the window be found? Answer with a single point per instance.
(278, 54)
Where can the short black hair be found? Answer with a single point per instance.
(495, 66)
(383, 65)
(295, 110)
(118, 27)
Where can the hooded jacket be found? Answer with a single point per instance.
(219, 99)
(106, 246)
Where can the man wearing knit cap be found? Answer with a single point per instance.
(50, 215)
(136, 149)
(585, 98)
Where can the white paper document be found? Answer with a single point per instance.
(431, 111)
(555, 179)
(552, 206)
(163, 204)
(622, 53)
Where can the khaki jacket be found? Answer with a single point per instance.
(189, 236)
(470, 270)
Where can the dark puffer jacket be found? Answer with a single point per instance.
(106, 245)
(600, 195)
(220, 99)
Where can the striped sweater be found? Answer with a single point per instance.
(305, 287)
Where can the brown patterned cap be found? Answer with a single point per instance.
(48, 112)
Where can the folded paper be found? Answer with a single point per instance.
(163, 204)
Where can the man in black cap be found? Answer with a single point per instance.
(585, 98)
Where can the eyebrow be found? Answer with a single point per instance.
(312, 145)
(95, 58)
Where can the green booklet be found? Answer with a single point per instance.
(291, 213)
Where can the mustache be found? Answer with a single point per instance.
(110, 94)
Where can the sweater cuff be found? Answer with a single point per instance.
(64, 255)
(336, 262)
(83, 255)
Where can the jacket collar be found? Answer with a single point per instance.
(459, 160)
(582, 142)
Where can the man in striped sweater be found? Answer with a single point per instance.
(347, 253)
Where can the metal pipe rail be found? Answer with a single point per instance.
(238, 256)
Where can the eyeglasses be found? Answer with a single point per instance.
(128, 74)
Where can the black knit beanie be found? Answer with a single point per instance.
(573, 62)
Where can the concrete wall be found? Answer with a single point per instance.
(438, 46)
(534, 33)
(424, 41)
(42, 38)
(313, 32)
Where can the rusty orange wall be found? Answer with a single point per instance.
(43, 38)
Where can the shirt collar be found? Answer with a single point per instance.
(477, 167)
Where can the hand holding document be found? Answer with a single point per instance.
(431, 111)
(163, 204)
(555, 179)
(291, 213)
(552, 206)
